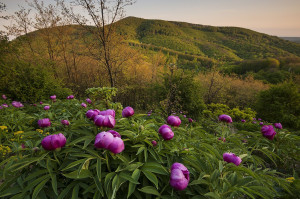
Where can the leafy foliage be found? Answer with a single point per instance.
(280, 103)
(79, 170)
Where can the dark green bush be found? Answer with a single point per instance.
(27, 83)
(281, 103)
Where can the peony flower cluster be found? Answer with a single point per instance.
(173, 120)
(166, 132)
(180, 176)
(232, 158)
(52, 142)
(110, 140)
(268, 132)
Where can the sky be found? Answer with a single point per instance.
(273, 17)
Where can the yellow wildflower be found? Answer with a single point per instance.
(3, 127)
(39, 130)
(290, 179)
(18, 132)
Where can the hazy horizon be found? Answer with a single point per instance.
(273, 17)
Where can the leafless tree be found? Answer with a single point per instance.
(98, 17)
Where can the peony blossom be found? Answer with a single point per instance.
(232, 158)
(223, 139)
(127, 112)
(52, 142)
(268, 132)
(17, 104)
(83, 105)
(225, 118)
(4, 105)
(190, 120)
(65, 122)
(4, 97)
(91, 114)
(108, 112)
(173, 120)
(105, 121)
(180, 176)
(108, 141)
(46, 108)
(261, 123)
(243, 120)
(41, 102)
(70, 97)
(166, 132)
(44, 122)
(278, 125)
(114, 133)
(53, 97)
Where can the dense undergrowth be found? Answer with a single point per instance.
(269, 168)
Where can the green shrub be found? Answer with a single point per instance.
(25, 82)
(281, 103)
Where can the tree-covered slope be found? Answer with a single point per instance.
(220, 43)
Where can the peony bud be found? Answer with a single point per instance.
(154, 143)
(88, 100)
(83, 105)
(232, 158)
(46, 108)
(44, 122)
(259, 119)
(225, 118)
(41, 102)
(4, 97)
(179, 178)
(174, 120)
(127, 112)
(223, 139)
(4, 105)
(1, 107)
(243, 120)
(190, 120)
(65, 122)
(278, 125)
(52, 142)
(261, 123)
(268, 132)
